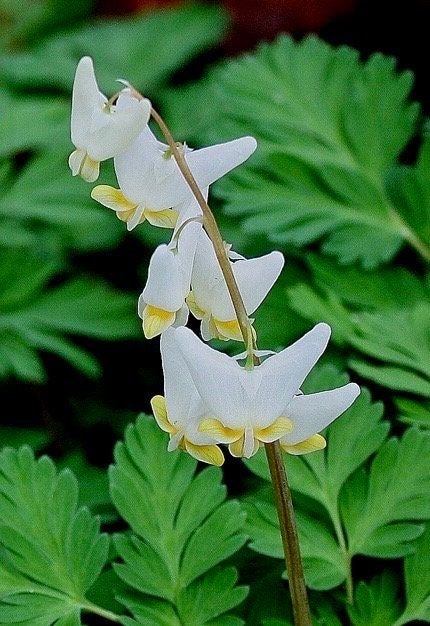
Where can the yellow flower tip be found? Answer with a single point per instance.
(112, 199)
(194, 307)
(214, 428)
(207, 454)
(312, 444)
(166, 218)
(228, 330)
(155, 321)
(280, 427)
(125, 216)
(158, 406)
(236, 447)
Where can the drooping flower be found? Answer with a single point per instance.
(181, 409)
(100, 129)
(151, 185)
(210, 301)
(248, 407)
(162, 302)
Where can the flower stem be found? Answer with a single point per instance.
(211, 228)
(290, 540)
(284, 503)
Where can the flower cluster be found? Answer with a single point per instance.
(209, 399)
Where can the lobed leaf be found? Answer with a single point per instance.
(145, 50)
(182, 529)
(52, 551)
(376, 602)
(32, 320)
(329, 128)
(382, 509)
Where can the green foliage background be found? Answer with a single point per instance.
(341, 184)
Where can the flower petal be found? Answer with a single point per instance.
(228, 330)
(279, 428)
(207, 454)
(166, 218)
(122, 127)
(85, 99)
(312, 444)
(156, 321)
(112, 198)
(220, 433)
(164, 286)
(158, 405)
(255, 278)
(217, 378)
(282, 374)
(313, 412)
(211, 163)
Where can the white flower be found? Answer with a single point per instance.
(151, 185)
(101, 130)
(261, 405)
(181, 409)
(162, 302)
(210, 300)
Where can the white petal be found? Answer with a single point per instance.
(207, 165)
(85, 99)
(183, 403)
(207, 281)
(312, 413)
(255, 278)
(164, 288)
(283, 374)
(186, 249)
(211, 163)
(135, 169)
(217, 378)
(122, 127)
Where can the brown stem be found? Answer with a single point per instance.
(290, 540)
(273, 451)
(211, 228)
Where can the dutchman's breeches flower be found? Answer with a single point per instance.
(100, 129)
(151, 185)
(162, 302)
(210, 301)
(248, 407)
(181, 409)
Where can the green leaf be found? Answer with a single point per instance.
(145, 50)
(384, 288)
(376, 603)
(45, 195)
(323, 561)
(42, 16)
(182, 528)
(52, 552)
(414, 413)
(34, 320)
(405, 356)
(17, 117)
(351, 440)
(329, 128)
(321, 476)
(410, 190)
(16, 437)
(417, 582)
(382, 509)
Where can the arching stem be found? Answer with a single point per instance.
(282, 492)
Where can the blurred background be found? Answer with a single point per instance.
(74, 366)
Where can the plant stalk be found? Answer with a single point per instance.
(284, 503)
